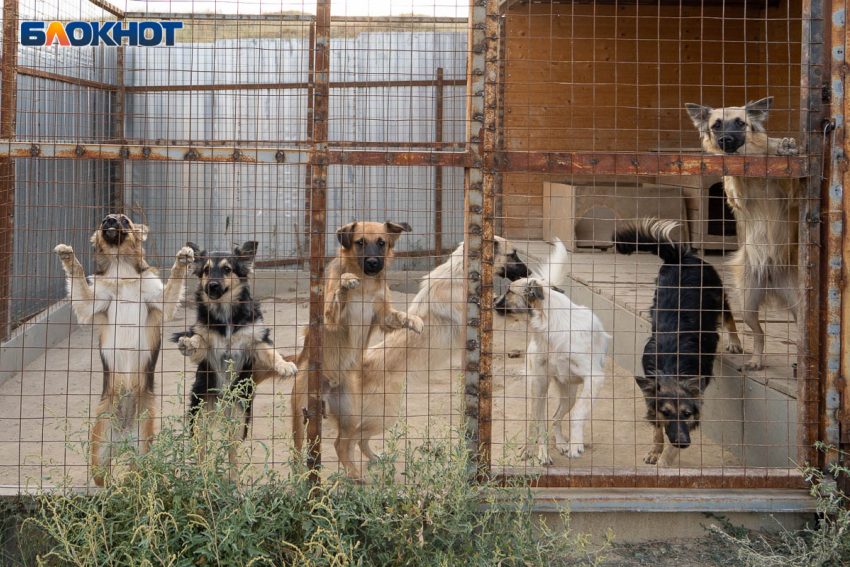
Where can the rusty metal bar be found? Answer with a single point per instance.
(674, 477)
(318, 199)
(811, 116)
(311, 67)
(115, 11)
(8, 112)
(619, 163)
(841, 121)
(285, 86)
(478, 221)
(500, 124)
(292, 18)
(118, 121)
(438, 170)
(31, 72)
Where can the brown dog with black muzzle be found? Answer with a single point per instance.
(127, 303)
(357, 301)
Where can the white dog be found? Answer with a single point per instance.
(568, 346)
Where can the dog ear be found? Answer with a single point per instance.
(200, 258)
(534, 289)
(647, 384)
(142, 231)
(345, 234)
(394, 229)
(695, 386)
(757, 110)
(248, 249)
(699, 114)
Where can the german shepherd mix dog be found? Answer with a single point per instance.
(678, 359)
(229, 330)
(765, 266)
(357, 301)
(568, 346)
(404, 355)
(127, 303)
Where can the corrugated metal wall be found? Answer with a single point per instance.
(216, 205)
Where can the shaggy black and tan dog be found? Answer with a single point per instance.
(229, 342)
(678, 359)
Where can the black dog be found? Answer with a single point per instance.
(678, 359)
(228, 335)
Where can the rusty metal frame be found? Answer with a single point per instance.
(318, 204)
(808, 335)
(8, 112)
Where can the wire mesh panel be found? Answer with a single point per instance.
(581, 238)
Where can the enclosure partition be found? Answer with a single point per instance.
(280, 127)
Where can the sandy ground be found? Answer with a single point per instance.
(44, 410)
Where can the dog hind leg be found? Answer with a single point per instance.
(568, 395)
(538, 435)
(751, 300)
(583, 410)
(733, 342)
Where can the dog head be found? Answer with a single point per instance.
(506, 262)
(673, 404)
(524, 296)
(119, 239)
(727, 130)
(369, 245)
(224, 275)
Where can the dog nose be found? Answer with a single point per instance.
(725, 141)
(372, 264)
(110, 222)
(213, 287)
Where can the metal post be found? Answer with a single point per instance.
(8, 111)
(808, 339)
(500, 127)
(478, 220)
(311, 65)
(438, 172)
(118, 130)
(319, 167)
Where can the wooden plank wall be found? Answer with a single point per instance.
(583, 77)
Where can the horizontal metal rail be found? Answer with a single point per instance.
(269, 17)
(290, 86)
(578, 163)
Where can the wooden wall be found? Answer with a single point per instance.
(590, 77)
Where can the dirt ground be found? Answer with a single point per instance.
(49, 404)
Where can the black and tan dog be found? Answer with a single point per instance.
(357, 301)
(229, 342)
(678, 359)
(127, 303)
(766, 210)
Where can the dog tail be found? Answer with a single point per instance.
(555, 271)
(651, 235)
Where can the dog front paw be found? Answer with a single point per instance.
(754, 363)
(571, 450)
(787, 147)
(188, 345)
(285, 368)
(64, 252)
(349, 281)
(734, 348)
(652, 457)
(185, 257)
(413, 323)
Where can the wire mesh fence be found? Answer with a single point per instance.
(403, 227)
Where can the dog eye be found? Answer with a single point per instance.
(359, 242)
(206, 270)
(686, 414)
(125, 222)
(739, 122)
(227, 270)
(717, 125)
(381, 242)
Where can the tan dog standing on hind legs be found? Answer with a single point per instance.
(357, 301)
(127, 303)
(766, 210)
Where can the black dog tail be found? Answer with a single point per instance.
(651, 235)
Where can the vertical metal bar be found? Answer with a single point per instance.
(318, 196)
(500, 124)
(8, 119)
(478, 221)
(811, 116)
(117, 166)
(311, 65)
(438, 171)
(831, 328)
